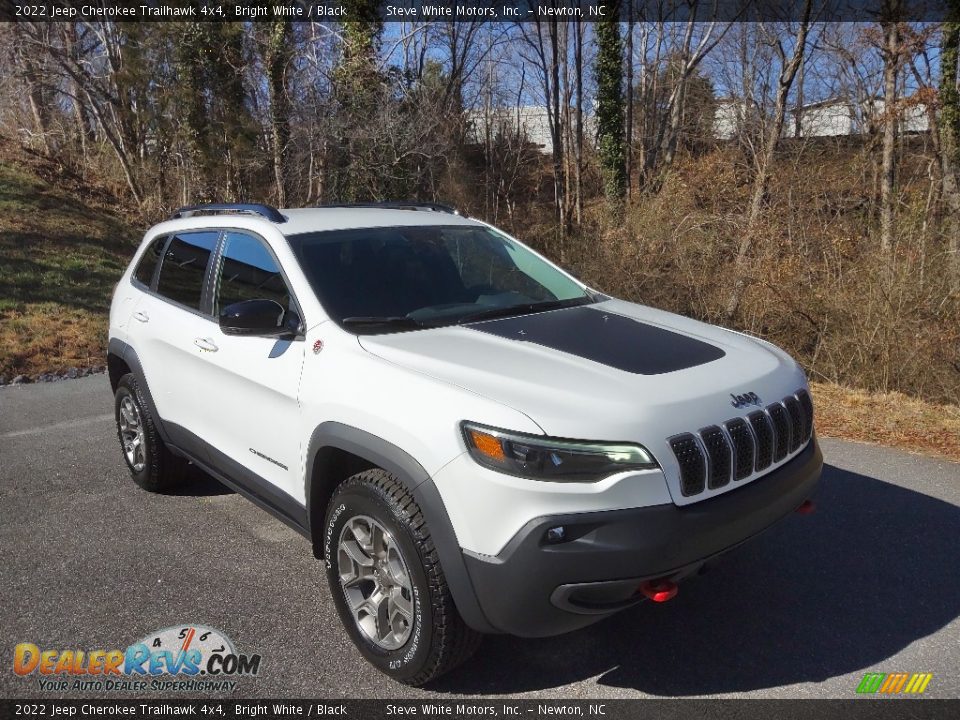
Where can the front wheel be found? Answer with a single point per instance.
(387, 583)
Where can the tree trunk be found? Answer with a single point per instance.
(891, 52)
(277, 57)
(949, 127)
(578, 139)
(556, 126)
(628, 132)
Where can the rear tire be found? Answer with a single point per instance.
(387, 583)
(152, 466)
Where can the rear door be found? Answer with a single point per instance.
(173, 333)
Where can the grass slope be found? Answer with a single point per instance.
(63, 246)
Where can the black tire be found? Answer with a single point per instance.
(161, 470)
(438, 640)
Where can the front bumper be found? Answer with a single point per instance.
(536, 589)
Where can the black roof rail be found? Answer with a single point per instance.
(401, 205)
(267, 211)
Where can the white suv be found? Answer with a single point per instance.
(473, 440)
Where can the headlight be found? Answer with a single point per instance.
(544, 458)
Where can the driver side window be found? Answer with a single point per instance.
(248, 272)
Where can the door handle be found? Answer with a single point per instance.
(205, 344)
(141, 316)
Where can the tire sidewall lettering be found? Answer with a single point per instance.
(328, 537)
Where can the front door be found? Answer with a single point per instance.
(258, 378)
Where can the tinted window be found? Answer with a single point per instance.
(184, 267)
(148, 263)
(433, 274)
(249, 272)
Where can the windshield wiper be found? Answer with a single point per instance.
(373, 321)
(523, 309)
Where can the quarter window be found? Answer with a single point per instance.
(249, 272)
(148, 263)
(185, 266)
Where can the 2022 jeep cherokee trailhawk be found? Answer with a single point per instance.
(473, 440)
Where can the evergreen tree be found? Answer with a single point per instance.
(610, 106)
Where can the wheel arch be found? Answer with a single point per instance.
(122, 359)
(337, 451)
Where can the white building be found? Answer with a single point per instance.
(836, 117)
(828, 118)
(730, 117)
(529, 121)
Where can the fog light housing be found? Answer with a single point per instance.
(556, 534)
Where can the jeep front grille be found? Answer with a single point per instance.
(741, 447)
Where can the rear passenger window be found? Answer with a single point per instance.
(249, 272)
(148, 263)
(185, 266)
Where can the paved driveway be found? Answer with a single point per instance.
(871, 582)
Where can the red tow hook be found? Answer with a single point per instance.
(659, 590)
(807, 507)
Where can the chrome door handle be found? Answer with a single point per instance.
(205, 344)
(141, 316)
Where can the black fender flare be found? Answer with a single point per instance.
(411, 473)
(128, 355)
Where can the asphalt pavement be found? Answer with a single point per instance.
(868, 583)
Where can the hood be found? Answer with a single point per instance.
(608, 371)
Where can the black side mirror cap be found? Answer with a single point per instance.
(259, 318)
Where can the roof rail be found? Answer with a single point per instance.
(401, 205)
(267, 211)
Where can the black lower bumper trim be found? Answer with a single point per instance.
(605, 550)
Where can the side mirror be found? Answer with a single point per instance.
(259, 318)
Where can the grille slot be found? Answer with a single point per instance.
(742, 440)
(806, 405)
(763, 431)
(718, 452)
(781, 430)
(693, 466)
(796, 422)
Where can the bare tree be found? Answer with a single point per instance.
(891, 67)
(949, 134)
(543, 42)
(663, 116)
(764, 159)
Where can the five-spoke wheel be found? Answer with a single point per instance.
(376, 582)
(131, 433)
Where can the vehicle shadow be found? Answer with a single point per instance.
(197, 483)
(822, 595)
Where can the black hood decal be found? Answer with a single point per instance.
(606, 338)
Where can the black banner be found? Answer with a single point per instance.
(854, 709)
(467, 10)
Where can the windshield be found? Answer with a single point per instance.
(392, 278)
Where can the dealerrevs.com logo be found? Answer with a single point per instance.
(182, 657)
